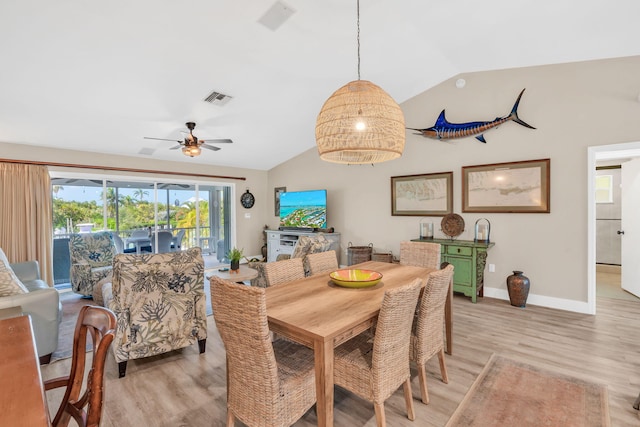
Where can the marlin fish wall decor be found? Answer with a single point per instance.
(445, 130)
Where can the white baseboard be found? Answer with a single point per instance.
(541, 300)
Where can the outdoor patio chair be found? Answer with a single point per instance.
(164, 242)
(176, 243)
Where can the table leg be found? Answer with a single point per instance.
(448, 319)
(323, 352)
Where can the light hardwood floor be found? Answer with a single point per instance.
(183, 388)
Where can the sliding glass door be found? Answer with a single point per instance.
(195, 214)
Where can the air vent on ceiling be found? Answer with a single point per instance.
(147, 151)
(218, 98)
(276, 15)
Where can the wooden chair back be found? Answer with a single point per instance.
(390, 361)
(240, 313)
(375, 370)
(427, 337)
(99, 324)
(420, 254)
(428, 331)
(284, 271)
(322, 262)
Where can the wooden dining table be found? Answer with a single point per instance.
(321, 315)
(22, 397)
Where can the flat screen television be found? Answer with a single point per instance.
(303, 209)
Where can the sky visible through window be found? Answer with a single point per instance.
(86, 194)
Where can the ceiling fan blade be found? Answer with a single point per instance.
(217, 141)
(175, 147)
(210, 147)
(162, 139)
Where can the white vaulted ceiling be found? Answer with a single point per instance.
(99, 76)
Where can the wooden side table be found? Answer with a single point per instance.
(244, 274)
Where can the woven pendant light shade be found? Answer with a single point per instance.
(360, 124)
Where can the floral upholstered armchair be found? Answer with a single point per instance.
(91, 259)
(159, 302)
(304, 246)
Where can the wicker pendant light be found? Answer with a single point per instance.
(360, 123)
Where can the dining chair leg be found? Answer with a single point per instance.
(443, 367)
(422, 376)
(408, 398)
(381, 420)
(122, 369)
(230, 418)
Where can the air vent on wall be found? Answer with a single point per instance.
(218, 98)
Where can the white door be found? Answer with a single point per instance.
(631, 226)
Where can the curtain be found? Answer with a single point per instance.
(26, 219)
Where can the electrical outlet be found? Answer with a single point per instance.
(492, 268)
(247, 215)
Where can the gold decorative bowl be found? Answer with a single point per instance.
(355, 278)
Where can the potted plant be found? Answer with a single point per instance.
(235, 255)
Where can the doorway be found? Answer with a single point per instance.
(620, 152)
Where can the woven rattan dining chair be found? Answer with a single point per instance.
(322, 262)
(427, 337)
(374, 366)
(283, 271)
(98, 323)
(268, 384)
(420, 254)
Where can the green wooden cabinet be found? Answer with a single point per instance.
(469, 259)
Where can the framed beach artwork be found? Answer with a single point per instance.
(276, 198)
(422, 195)
(516, 187)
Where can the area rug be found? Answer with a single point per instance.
(71, 305)
(510, 393)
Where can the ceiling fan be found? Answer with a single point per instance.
(191, 145)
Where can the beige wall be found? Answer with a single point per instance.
(573, 106)
(249, 230)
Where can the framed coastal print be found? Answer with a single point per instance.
(276, 198)
(422, 195)
(516, 187)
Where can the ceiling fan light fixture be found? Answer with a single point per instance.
(360, 123)
(191, 150)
